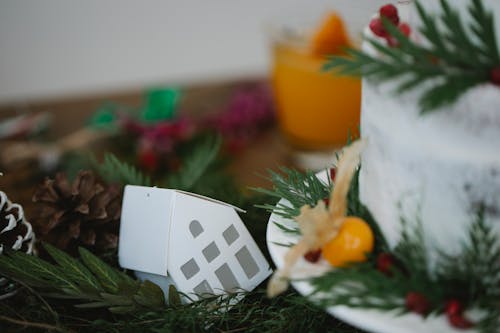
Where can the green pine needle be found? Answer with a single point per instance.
(297, 188)
(89, 280)
(472, 276)
(456, 57)
(477, 274)
(112, 170)
(195, 165)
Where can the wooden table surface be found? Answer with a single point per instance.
(267, 151)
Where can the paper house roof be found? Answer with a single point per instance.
(199, 243)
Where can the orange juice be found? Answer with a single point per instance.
(316, 110)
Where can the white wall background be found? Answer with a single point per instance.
(55, 48)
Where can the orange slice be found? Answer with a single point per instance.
(331, 37)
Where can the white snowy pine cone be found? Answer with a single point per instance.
(15, 233)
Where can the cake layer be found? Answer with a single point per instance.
(440, 167)
(429, 166)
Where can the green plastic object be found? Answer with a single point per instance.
(104, 118)
(161, 104)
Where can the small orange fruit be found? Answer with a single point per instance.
(354, 240)
(331, 37)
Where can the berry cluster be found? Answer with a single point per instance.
(390, 13)
(417, 302)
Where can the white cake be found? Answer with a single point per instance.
(441, 166)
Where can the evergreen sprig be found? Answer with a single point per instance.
(306, 188)
(472, 276)
(88, 280)
(201, 172)
(476, 276)
(297, 189)
(254, 313)
(359, 286)
(195, 164)
(113, 170)
(455, 58)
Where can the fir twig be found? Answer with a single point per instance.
(91, 281)
(357, 208)
(453, 60)
(297, 189)
(360, 286)
(112, 170)
(472, 276)
(476, 276)
(195, 165)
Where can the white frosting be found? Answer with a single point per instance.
(441, 166)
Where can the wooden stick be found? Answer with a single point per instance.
(17, 152)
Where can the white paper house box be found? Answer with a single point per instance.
(198, 244)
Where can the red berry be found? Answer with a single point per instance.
(326, 201)
(405, 29)
(377, 28)
(386, 263)
(454, 307)
(390, 12)
(313, 256)
(148, 160)
(333, 173)
(459, 321)
(454, 311)
(417, 303)
(495, 75)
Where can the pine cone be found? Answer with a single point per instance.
(15, 233)
(85, 213)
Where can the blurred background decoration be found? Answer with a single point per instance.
(97, 94)
(145, 79)
(60, 49)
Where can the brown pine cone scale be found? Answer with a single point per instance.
(84, 213)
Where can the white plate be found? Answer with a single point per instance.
(370, 320)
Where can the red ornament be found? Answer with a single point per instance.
(495, 76)
(313, 256)
(386, 263)
(377, 27)
(326, 201)
(417, 303)
(390, 12)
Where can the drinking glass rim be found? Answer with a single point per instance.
(297, 29)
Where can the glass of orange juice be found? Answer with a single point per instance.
(317, 111)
